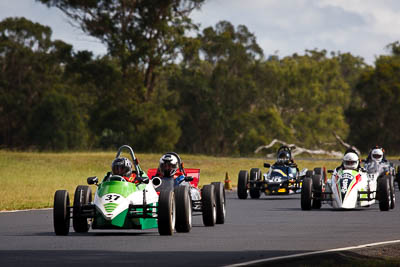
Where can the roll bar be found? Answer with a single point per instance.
(134, 159)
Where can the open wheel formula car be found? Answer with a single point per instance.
(283, 177)
(347, 189)
(189, 198)
(118, 204)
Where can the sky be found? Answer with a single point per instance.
(282, 27)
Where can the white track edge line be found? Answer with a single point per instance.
(312, 253)
(13, 211)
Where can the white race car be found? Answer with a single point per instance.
(347, 189)
(380, 169)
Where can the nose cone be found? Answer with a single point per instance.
(348, 204)
(349, 199)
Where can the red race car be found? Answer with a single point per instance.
(209, 200)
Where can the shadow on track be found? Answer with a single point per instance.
(61, 258)
(109, 258)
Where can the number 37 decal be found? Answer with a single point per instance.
(111, 197)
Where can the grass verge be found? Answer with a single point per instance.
(29, 180)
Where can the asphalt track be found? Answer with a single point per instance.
(255, 229)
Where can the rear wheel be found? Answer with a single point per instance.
(83, 195)
(243, 180)
(384, 193)
(306, 194)
(255, 176)
(208, 205)
(166, 213)
(398, 176)
(220, 201)
(392, 193)
(183, 209)
(61, 214)
(318, 171)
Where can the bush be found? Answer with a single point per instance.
(56, 124)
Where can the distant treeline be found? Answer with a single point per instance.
(160, 88)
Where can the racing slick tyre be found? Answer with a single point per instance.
(398, 176)
(208, 205)
(243, 180)
(183, 209)
(255, 176)
(392, 193)
(61, 213)
(384, 193)
(318, 171)
(306, 194)
(166, 213)
(317, 187)
(220, 201)
(83, 196)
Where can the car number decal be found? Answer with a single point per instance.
(344, 184)
(111, 197)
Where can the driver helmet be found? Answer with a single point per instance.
(121, 166)
(350, 161)
(283, 157)
(377, 154)
(168, 165)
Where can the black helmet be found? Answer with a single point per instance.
(121, 166)
(283, 156)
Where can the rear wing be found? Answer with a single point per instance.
(195, 173)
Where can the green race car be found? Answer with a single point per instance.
(118, 204)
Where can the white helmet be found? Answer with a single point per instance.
(350, 161)
(168, 165)
(377, 154)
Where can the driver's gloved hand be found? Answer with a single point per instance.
(179, 179)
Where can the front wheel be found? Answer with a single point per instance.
(243, 180)
(83, 195)
(317, 179)
(384, 193)
(220, 201)
(61, 213)
(183, 209)
(306, 194)
(255, 176)
(166, 213)
(208, 205)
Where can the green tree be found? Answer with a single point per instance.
(310, 95)
(56, 123)
(374, 116)
(232, 100)
(30, 64)
(143, 34)
(146, 127)
(129, 103)
(216, 93)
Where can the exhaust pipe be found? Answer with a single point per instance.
(156, 181)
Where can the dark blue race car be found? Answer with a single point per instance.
(283, 177)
